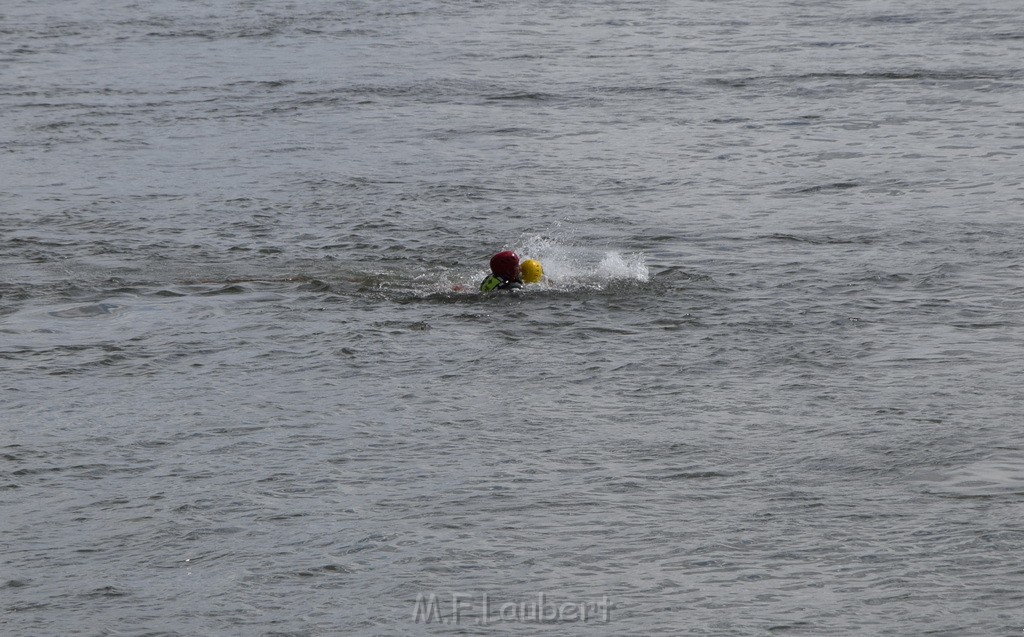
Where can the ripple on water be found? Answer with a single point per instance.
(995, 477)
(91, 310)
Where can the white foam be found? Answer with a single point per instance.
(615, 266)
(571, 266)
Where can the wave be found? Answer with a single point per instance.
(876, 76)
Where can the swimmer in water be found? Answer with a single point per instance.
(505, 273)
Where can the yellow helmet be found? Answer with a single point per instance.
(532, 272)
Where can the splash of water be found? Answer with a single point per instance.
(616, 266)
(567, 267)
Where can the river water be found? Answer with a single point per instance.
(772, 386)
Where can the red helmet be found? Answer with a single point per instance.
(506, 265)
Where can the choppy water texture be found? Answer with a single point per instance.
(773, 385)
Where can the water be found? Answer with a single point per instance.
(772, 387)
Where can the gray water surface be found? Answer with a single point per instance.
(772, 386)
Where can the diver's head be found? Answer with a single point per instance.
(506, 265)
